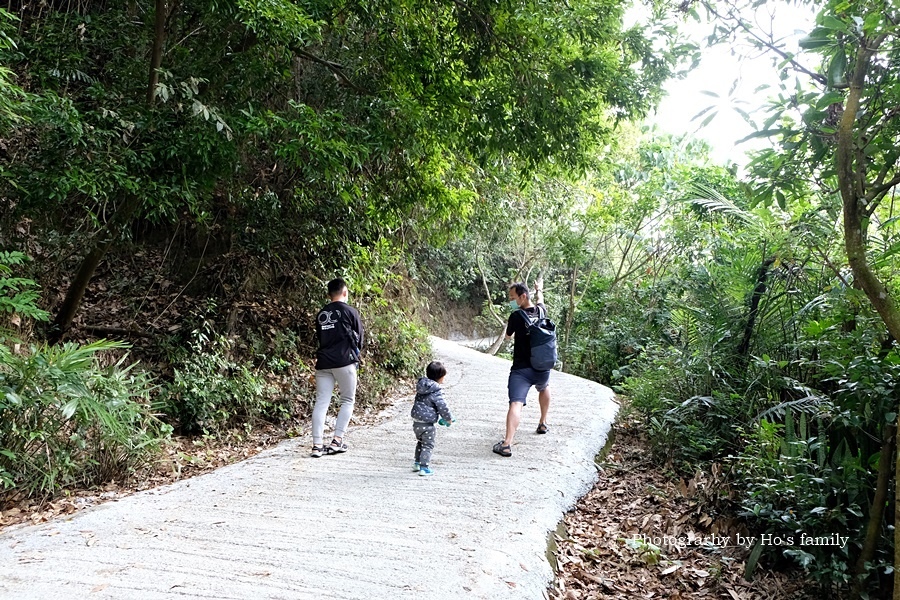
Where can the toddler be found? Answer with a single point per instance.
(428, 409)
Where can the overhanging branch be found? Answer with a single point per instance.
(336, 68)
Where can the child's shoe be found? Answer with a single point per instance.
(425, 471)
(416, 467)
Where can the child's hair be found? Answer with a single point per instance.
(435, 370)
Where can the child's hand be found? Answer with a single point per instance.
(444, 423)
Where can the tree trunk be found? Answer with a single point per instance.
(896, 516)
(759, 291)
(855, 230)
(495, 347)
(878, 295)
(570, 314)
(854, 207)
(159, 39)
(876, 513)
(76, 290)
(129, 206)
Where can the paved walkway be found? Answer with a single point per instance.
(360, 525)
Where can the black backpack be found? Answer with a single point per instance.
(542, 339)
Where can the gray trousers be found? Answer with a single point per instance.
(425, 433)
(345, 378)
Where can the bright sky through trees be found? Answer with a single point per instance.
(729, 78)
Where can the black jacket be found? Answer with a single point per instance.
(340, 334)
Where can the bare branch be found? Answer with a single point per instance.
(770, 45)
(335, 68)
(487, 291)
(877, 193)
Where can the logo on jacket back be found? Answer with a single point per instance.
(327, 321)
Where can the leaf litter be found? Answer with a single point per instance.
(643, 533)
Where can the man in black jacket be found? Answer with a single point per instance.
(340, 334)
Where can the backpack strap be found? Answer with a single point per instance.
(528, 320)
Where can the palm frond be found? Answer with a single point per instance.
(702, 195)
(685, 322)
(810, 405)
(692, 402)
(822, 301)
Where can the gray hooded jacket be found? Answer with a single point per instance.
(429, 402)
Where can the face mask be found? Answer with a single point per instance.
(513, 304)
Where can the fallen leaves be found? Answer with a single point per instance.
(640, 534)
(669, 570)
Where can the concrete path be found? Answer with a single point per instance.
(360, 525)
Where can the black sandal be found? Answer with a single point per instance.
(542, 428)
(336, 447)
(502, 450)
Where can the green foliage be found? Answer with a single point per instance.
(344, 123)
(691, 431)
(732, 327)
(211, 391)
(278, 21)
(67, 421)
(611, 329)
(803, 114)
(397, 348)
(800, 417)
(399, 345)
(13, 99)
(800, 478)
(396, 344)
(16, 293)
(789, 496)
(449, 269)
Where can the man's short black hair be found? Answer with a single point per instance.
(521, 289)
(435, 370)
(336, 286)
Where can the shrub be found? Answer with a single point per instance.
(688, 404)
(395, 347)
(65, 420)
(789, 487)
(211, 391)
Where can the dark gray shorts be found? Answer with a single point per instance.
(521, 380)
